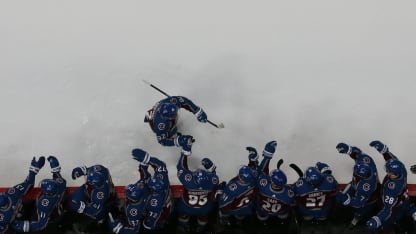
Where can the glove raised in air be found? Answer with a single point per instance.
(252, 154)
(140, 155)
(270, 149)
(36, 165)
(379, 146)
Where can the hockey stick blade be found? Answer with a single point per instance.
(220, 125)
(279, 163)
(297, 169)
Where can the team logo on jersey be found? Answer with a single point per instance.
(11, 191)
(214, 180)
(263, 182)
(100, 195)
(97, 168)
(290, 193)
(188, 177)
(330, 179)
(299, 183)
(366, 187)
(366, 160)
(153, 202)
(133, 212)
(233, 187)
(391, 185)
(159, 176)
(161, 126)
(45, 202)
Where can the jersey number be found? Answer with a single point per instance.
(195, 200)
(315, 201)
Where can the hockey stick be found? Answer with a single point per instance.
(220, 125)
(297, 169)
(279, 163)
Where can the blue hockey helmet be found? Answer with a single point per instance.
(168, 110)
(313, 176)
(95, 178)
(278, 177)
(3, 199)
(134, 192)
(394, 166)
(200, 176)
(362, 170)
(246, 174)
(49, 186)
(157, 184)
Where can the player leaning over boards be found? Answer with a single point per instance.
(49, 208)
(11, 199)
(163, 118)
(394, 195)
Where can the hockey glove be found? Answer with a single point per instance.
(78, 172)
(201, 115)
(374, 223)
(208, 164)
(140, 155)
(21, 226)
(116, 226)
(252, 154)
(183, 140)
(36, 165)
(269, 149)
(344, 148)
(413, 169)
(54, 163)
(324, 168)
(343, 198)
(380, 147)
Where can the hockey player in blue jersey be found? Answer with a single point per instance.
(198, 197)
(49, 208)
(159, 202)
(236, 202)
(94, 197)
(394, 195)
(130, 221)
(315, 198)
(11, 199)
(163, 118)
(364, 188)
(275, 199)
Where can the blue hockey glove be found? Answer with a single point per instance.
(116, 226)
(201, 115)
(187, 149)
(252, 154)
(54, 163)
(21, 226)
(269, 149)
(413, 169)
(183, 140)
(344, 148)
(380, 147)
(208, 164)
(36, 165)
(342, 198)
(140, 155)
(78, 172)
(374, 223)
(323, 168)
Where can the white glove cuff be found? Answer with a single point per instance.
(384, 150)
(378, 221)
(186, 153)
(199, 112)
(176, 141)
(56, 169)
(34, 169)
(346, 202)
(267, 154)
(26, 226)
(117, 228)
(81, 207)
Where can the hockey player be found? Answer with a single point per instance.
(163, 118)
(49, 208)
(11, 199)
(315, 198)
(275, 199)
(394, 193)
(237, 200)
(198, 197)
(364, 188)
(159, 203)
(94, 197)
(133, 211)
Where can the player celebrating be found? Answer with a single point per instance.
(11, 199)
(159, 205)
(198, 197)
(163, 118)
(94, 197)
(49, 202)
(237, 201)
(315, 198)
(394, 194)
(363, 194)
